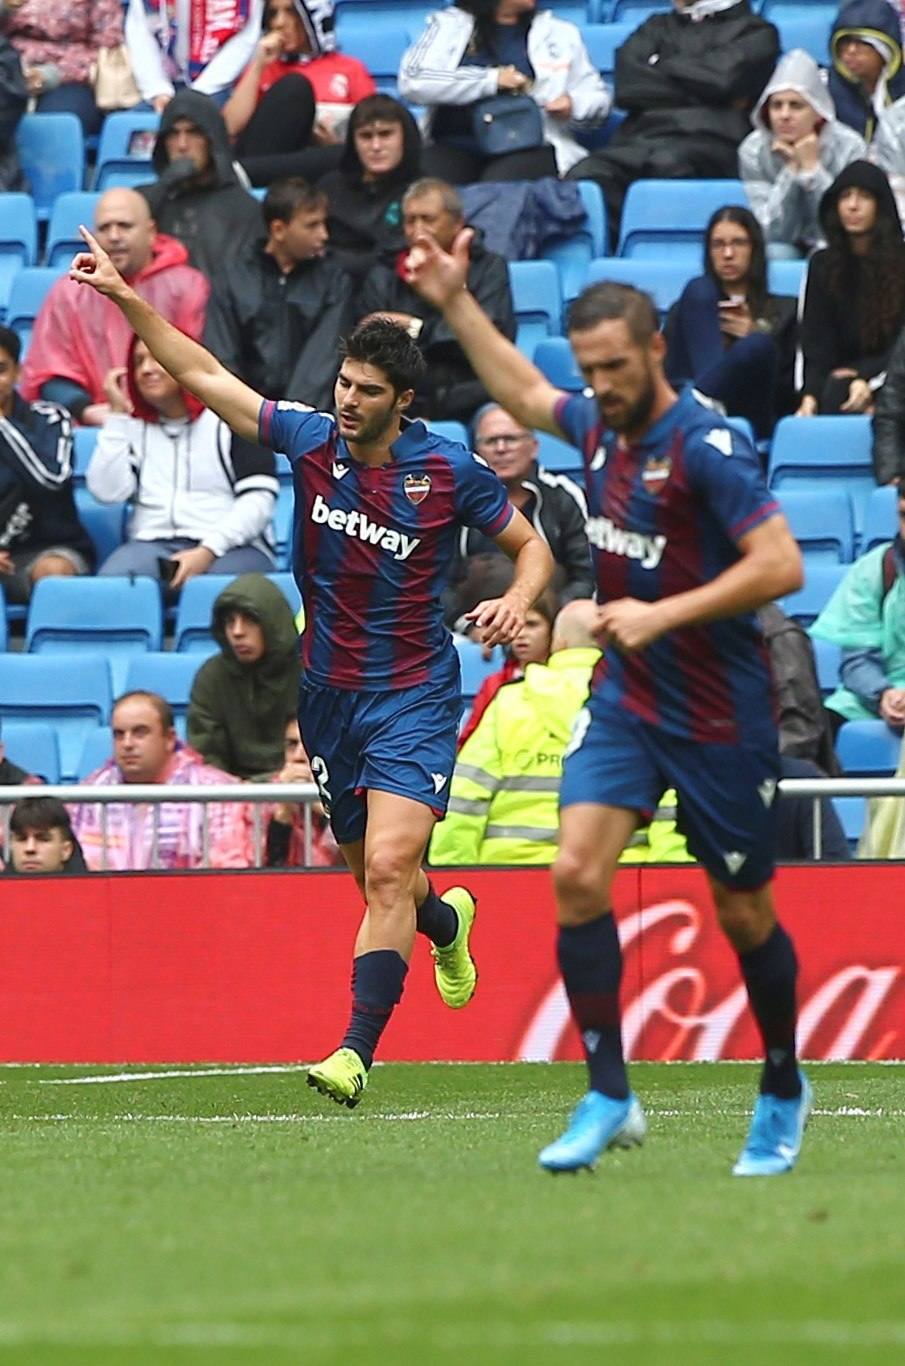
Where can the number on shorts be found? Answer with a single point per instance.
(579, 731)
(322, 778)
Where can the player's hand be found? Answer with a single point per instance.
(95, 268)
(198, 560)
(892, 707)
(438, 275)
(499, 620)
(629, 624)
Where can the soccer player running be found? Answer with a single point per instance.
(687, 542)
(378, 504)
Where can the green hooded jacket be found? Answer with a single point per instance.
(237, 712)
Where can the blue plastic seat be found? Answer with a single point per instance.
(118, 616)
(169, 674)
(104, 522)
(115, 150)
(808, 31)
(852, 813)
(452, 431)
(537, 300)
(194, 612)
(668, 217)
(881, 518)
(554, 358)
(96, 749)
(663, 279)
(84, 440)
(18, 239)
(27, 293)
(868, 748)
(51, 149)
(603, 41)
(571, 255)
(559, 457)
(821, 581)
(827, 655)
(822, 453)
(475, 668)
(634, 12)
(288, 587)
(68, 212)
(821, 523)
(33, 746)
(786, 277)
(379, 46)
(72, 694)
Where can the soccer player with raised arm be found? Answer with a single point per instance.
(688, 542)
(379, 501)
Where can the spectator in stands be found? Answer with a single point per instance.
(59, 41)
(380, 159)
(889, 419)
(242, 695)
(866, 75)
(805, 730)
(173, 834)
(854, 298)
(200, 43)
(864, 616)
(288, 113)
(275, 318)
(532, 645)
(41, 839)
(285, 846)
(795, 823)
(478, 49)
(13, 100)
(450, 389)
(553, 503)
(688, 80)
(888, 150)
(78, 339)
(794, 154)
(40, 533)
(203, 498)
(199, 197)
(727, 335)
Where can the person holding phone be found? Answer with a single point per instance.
(203, 498)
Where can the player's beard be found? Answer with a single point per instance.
(371, 432)
(636, 415)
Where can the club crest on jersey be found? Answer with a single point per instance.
(416, 487)
(656, 471)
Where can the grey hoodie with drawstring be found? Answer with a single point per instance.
(784, 200)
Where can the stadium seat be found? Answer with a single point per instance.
(662, 279)
(33, 746)
(826, 660)
(822, 453)
(18, 240)
(52, 152)
(852, 813)
(808, 31)
(27, 293)
(537, 300)
(84, 440)
(193, 614)
(119, 616)
(668, 217)
(786, 277)
(169, 674)
(868, 748)
(453, 431)
(822, 524)
(571, 255)
(63, 240)
(821, 581)
(288, 587)
(881, 520)
(559, 457)
(104, 522)
(553, 357)
(379, 47)
(115, 154)
(635, 12)
(475, 668)
(72, 695)
(96, 749)
(602, 42)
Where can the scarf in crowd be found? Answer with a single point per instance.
(211, 24)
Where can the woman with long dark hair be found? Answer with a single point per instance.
(727, 335)
(854, 299)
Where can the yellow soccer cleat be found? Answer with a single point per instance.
(454, 969)
(343, 1077)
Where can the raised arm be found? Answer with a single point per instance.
(194, 367)
(507, 375)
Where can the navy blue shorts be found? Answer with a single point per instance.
(727, 806)
(402, 742)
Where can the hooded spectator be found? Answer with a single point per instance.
(242, 696)
(866, 74)
(199, 197)
(795, 153)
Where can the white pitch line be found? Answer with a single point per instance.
(102, 1077)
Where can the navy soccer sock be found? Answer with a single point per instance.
(377, 981)
(770, 972)
(437, 919)
(590, 960)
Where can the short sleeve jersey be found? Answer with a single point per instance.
(665, 516)
(372, 548)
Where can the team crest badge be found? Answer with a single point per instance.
(416, 487)
(656, 472)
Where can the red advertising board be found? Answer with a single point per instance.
(250, 967)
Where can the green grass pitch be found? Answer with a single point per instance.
(233, 1216)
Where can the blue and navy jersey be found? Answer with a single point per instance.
(665, 516)
(372, 547)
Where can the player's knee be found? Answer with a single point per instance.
(743, 921)
(388, 871)
(573, 877)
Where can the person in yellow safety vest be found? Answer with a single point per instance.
(504, 799)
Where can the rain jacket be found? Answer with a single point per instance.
(79, 335)
(785, 201)
(869, 623)
(874, 22)
(180, 842)
(237, 712)
(210, 212)
(504, 798)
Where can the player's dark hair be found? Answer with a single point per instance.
(389, 347)
(757, 271)
(287, 196)
(160, 705)
(40, 813)
(10, 343)
(608, 301)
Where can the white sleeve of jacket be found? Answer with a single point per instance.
(591, 100)
(252, 473)
(144, 54)
(429, 72)
(227, 65)
(112, 474)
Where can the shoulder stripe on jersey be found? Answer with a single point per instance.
(763, 513)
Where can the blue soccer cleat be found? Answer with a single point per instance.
(774, 1139)
(598, 1122)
